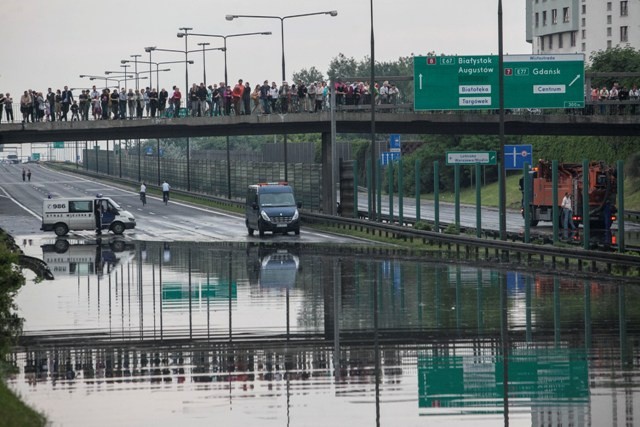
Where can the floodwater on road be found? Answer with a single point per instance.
(281, 334)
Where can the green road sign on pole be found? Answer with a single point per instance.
(471, 82)
(35, 157)
(58, 144)
(471, 158)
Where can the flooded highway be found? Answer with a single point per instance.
(135, 332)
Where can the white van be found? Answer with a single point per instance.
(79, 213)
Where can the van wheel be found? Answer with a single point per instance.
(118, 228)
(61, 246)
(61, 229)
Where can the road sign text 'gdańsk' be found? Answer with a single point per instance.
(471, 82)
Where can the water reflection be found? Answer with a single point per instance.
(86, 257)
(276, 334)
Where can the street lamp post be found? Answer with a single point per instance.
(185, 34)
(282, 19)
(150, 49)
(157, 64)
(125, 66)
(135, 60)
(224, 38)
(204, 66)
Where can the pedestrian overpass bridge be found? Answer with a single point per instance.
(355, 121)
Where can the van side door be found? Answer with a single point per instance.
(80, 216)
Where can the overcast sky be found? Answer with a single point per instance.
(50, 43)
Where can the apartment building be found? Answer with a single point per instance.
(582, 26)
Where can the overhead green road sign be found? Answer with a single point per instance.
(472, 82)
(471, 157)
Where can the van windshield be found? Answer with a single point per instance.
(277, 199)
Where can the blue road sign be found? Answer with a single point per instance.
(387, 157)
(394, 141)
(516, 155)
(149, 151)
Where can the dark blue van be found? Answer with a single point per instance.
(272, 207)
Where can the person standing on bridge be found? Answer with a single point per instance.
(65, 102)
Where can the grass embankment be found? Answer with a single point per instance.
(14, 412)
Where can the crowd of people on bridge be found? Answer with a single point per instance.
(201, 100)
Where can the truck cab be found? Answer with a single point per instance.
(272, 207)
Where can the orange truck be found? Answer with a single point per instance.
(602, 192)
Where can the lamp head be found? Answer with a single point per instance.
(190, 61)
(230, 17)
(149, 48)
(181, 35)
(333, 13)
(124, 61)
(82, 76)
(266, 33)
(107, 72)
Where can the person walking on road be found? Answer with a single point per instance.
(24, 174)
(567, 212)
(143, 194)
(165, 191)
(29, 175)
(98, 217)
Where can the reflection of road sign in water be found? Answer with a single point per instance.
(35, 157)
(516, 155)
(149, 151)
(58, 144)
(472, 82)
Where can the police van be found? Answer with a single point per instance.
(67, 214)
(271, 206)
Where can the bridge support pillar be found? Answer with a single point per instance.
(328, 192)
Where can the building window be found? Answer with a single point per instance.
(624, 11)
(608, 19)
(574, 36)
(537, 19)
(560, 40)
(565, 15)
(554, 16)
(550, 41)
(542, 43)
(584, 9)
(608, 5)
(584, 34)
(584, 47)
(584, 22)
(608, 31)
(624, 34)
(608, 44)
(544, 18)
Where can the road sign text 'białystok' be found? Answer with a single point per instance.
(472, 82)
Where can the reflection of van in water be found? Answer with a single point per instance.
(62, 215)
(272, 207)
(272, 267)
(65, 257)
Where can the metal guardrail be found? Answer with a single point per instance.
(587, 259)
